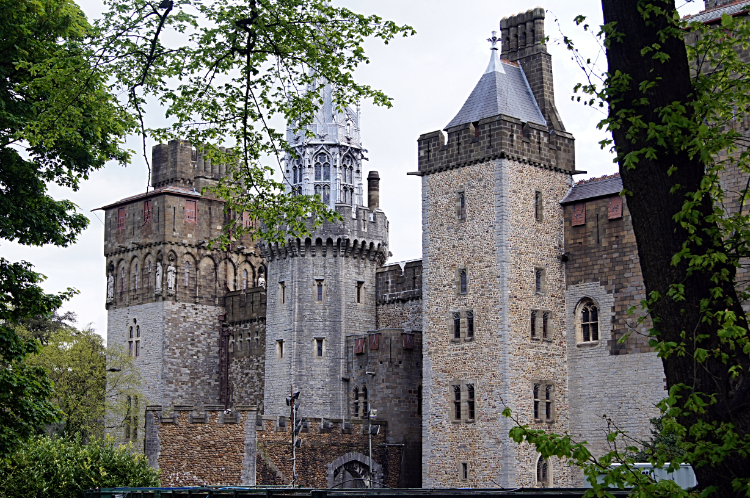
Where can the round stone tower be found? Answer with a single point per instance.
(321, 289)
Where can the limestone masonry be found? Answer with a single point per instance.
(520, 300)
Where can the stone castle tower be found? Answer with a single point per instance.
(165, 288)
(322, 288)
(493, 279)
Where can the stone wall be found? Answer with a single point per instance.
(399, 296)
(343, 258)
(394, 389)
(245, 333)
(327, 446)
(202, 448)
(500, 244)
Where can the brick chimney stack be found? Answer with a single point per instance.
(523, 41)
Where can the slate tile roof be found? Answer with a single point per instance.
(593, 188)
(503, 89)
(715, 14)
(169, 189)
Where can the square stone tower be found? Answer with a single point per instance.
(493, 279)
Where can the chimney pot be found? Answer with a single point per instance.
(373, 190)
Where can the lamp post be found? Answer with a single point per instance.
(370, 414)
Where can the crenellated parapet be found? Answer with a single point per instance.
(496, 137)
(362, 234)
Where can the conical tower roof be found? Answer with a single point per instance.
(502, 89)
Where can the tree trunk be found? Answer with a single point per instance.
(659, 237)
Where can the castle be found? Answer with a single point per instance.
(520, 300)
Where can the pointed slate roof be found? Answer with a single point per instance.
(503, 89)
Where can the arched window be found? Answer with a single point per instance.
(294, 169)
(318, 172)
(326, 194)
(326, 172)
(131, 332)
(318, 191)
(244, 280)
(138, 331)
(187, 275)
(463, 281)
(588, 321)
(543, 473)
(456, 326)
(135, 279)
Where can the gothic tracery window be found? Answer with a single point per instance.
(588, 322)
(542, 473)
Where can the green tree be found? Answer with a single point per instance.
(47, 467)
(58, 121)
(671, 109)
(76, 361)
(226, 70)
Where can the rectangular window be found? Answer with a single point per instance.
(544, 397)
(191, 211)
(121, 219)
(539, 286)
(456, 326)
(130, 348)
(146, 211)
(538, 206)
(545, 325)
(457, 402)
(280, 349)
(470, 400)
(469, 325)
(359, 292)
(319, 291)
(461, 206)
(137, 348)
(319, 347)
(464, 471)
(533, 325)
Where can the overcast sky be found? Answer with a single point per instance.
(429, 77)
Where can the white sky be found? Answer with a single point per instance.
(429, 77)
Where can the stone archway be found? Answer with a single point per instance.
(354, 470)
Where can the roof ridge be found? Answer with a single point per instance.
(598, 178)
(706, 11)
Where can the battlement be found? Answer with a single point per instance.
(523, 34)
(495, 138)
(361, 234)
(245, 305)
(399, 282)
(178, 163)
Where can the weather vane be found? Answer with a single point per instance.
(494, 40)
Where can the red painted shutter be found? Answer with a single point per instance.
(615, 207)
(579, 213)
(374, 341)
(121, 218)
(359, 346)
(408, 341)
(190, 211)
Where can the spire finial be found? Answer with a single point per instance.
(494, 40)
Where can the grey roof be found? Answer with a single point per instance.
(593, 188)
(716, 13)
(503, 89)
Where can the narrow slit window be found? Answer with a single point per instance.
(359, 293)
(545, 325)
(539, 281)
(355, 405)
(538, 206)
(548, 402)
(456, 326)
(470, 400)
(533, 324)
(319, 347)
(365, 404)
(320, 291)
(463, 282)
(457, 402)
(461, 205)
(470, 325)
(537, 388)
(464, 471)
(135, 279)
